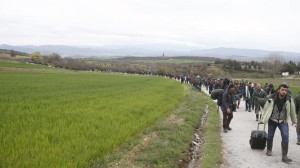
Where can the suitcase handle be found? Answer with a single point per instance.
(258, 128)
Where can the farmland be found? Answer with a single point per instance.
(54, 117)
(68, 119)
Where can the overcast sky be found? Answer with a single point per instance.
(177, 24)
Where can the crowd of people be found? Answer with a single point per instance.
(271, 106)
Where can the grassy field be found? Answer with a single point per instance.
(69, 120)
(22, 65)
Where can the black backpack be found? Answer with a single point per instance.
(216, 93)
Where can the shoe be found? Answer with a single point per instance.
(269, 153)
(269, 147)
(246, 109)
(256, 119)
(249, 111)
(229, 128)
(284, 148)
(225, 130)
(287, 160)
(298, 143)
(238, 107)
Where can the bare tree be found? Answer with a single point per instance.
(274, 63)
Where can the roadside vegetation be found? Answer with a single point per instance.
(211, 154)
(166, 143)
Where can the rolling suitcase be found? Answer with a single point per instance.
(258, 138)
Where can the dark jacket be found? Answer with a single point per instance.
(227, 100)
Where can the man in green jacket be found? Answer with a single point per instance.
(278, 108)
(258, 95)
(297, 106)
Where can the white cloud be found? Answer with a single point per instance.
(261, 24)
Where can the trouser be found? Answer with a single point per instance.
(257, 108)
(283, 127)
(248, 104)
(227, 119)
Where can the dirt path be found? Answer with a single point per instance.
(237, 151)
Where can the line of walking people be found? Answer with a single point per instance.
(272, 107)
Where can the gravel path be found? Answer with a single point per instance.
(237, 151)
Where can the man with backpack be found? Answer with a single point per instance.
(227, 107)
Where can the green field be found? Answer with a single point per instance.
(22, 65)
(70, 119)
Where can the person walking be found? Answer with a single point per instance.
(239, 93)
(278, 108)
(258, 95)
(270, 90)
(227, 107)
(248, 96)
(297, 106)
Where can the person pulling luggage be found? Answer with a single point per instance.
(278, 108)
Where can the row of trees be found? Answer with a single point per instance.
(121, 65)
(274, 63)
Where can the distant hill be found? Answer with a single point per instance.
(244, 54)
(121, 51)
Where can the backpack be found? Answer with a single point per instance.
(216, 93)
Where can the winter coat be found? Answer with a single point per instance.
(258, 97)
(289, 105)
(228, 101)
